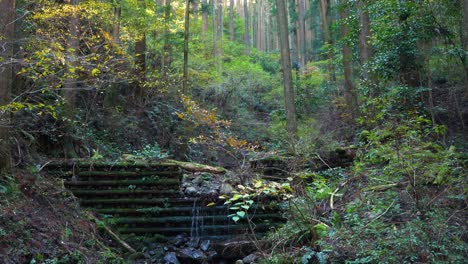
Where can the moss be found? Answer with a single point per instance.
(145, 182)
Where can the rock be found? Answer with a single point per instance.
(205, 245)
(191, 191)
(193, 242)
(239, 261)
(197, 181)
(250, 258)
(153, 245)
(171, 258)
(226, 188)
(180, 240)
(211, 254)
(212, 192)
(235, 249)
(151, 253)
(191, 255)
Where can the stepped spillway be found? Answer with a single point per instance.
(142, 201)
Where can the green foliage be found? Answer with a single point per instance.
(310, 139)
(151, 152)
(245, 197)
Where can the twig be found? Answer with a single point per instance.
(320, 158)
(114, 235)
(436, 197)
(335, 191)
(43, 166)
(380, 215)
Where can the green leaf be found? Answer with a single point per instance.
(241, 213)
(95, 72)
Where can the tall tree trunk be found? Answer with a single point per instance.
(287, 74)
(365, 48)
(116, 22)
(301, 33)
(231, 20)
(204, 16)
(324, 6)
(186, 46)
(464, 41)
(219, 33)
(70, 85)
(195, 10)
(7, 18)
(349, 89)
(215, 34)
(74, 47)
(246, 29)
(167, 48)
(308, 29)
(259, 31)
(140, 55)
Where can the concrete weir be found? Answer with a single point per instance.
(143, 203)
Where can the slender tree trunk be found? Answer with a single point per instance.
(365, 49)
(246, 29)
(259, 35)
(291, 5)
(215, 34)
(195, 9)
(287, 74)
(204, 16)
(301, 33)
(167, 48)
(116, 23)
(324, 5)
(308, 30)
(186, 46)
(70, 84)
(140, 55)
(464, 41)
(231, 20)
(220, 27)
(349, 89)
(74, 45)
(7, 18)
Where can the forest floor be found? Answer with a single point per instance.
(41, 222)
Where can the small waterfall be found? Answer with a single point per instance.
(196, 229)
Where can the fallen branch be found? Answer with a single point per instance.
(196, 167)
(112, 234)
(380, 188)
(380, 215)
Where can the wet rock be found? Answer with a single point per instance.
(226, 188)
(153, 245)
(197, 181)
(211, 254)
(205, 245)
(193, 242)
(191, 255)
(180, 240)
(191, 191)
(171, 258)
(250, 258)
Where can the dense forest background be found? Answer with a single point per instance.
(224, 82)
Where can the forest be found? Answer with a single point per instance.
(233, 131)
